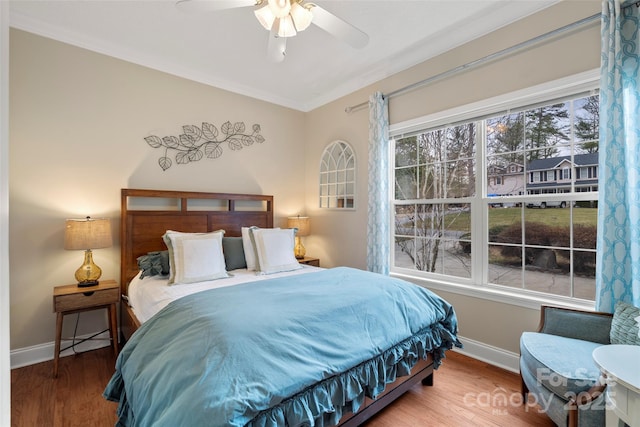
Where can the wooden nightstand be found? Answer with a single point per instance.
(310, 261)
(70, 299)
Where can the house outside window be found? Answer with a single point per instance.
(585, 168)
(535, 177)
(449, 179)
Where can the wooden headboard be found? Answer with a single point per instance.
(147, 214)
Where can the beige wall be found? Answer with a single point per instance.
(342, 235)
(5, 359)
(78, 120)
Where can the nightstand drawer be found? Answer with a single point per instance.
(78, 301)
(309, 261)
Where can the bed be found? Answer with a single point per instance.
(307, 346)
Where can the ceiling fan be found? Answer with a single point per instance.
(284, 19)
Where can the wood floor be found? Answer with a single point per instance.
(466, 392)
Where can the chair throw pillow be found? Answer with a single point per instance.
(624, 326)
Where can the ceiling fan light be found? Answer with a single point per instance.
(285, 27)
(280, 8)
(301, 16)
(265, 16)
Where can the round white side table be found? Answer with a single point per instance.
(620, 365)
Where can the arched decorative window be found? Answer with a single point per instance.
(338, 176)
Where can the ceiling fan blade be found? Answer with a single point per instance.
(277, 47)
(338, 28)
(212, 5)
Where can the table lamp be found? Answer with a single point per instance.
(86, 234)
(302, 223)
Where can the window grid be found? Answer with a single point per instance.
(337, 176)
(555, 185)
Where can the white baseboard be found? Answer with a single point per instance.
(487, 353)
(44, 352)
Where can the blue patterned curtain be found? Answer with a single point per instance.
(618, 253)
(378, 206)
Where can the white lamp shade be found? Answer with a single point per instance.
(301, 16)
(83, 234)
(285, 27)
(280, 8)
(265, 16)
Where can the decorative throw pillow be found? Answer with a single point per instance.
(233, 253)
(167, 242)
(248, 248)
(154, 263)
(624, 327)
(274, 250)
(195, 257)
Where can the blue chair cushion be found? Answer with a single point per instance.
(562, 365)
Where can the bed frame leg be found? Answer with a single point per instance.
(428, 380)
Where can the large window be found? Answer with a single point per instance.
(530, 231)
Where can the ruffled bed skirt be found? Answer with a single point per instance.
(345, 393)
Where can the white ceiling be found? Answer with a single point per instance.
(227, 48)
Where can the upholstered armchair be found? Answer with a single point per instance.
(557, 369)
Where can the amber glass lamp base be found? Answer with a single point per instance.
(298, 250)
(88, 273)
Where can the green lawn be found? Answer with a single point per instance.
(549, 216)
(558, 233)
(507, 216)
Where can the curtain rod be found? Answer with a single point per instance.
(483, 60)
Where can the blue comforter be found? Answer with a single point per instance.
(286, 351)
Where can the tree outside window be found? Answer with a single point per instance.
(532, 154)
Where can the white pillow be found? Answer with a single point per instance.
(195, 257)
(249, 248)
(274, 250)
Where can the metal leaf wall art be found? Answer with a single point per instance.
(205, 141)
